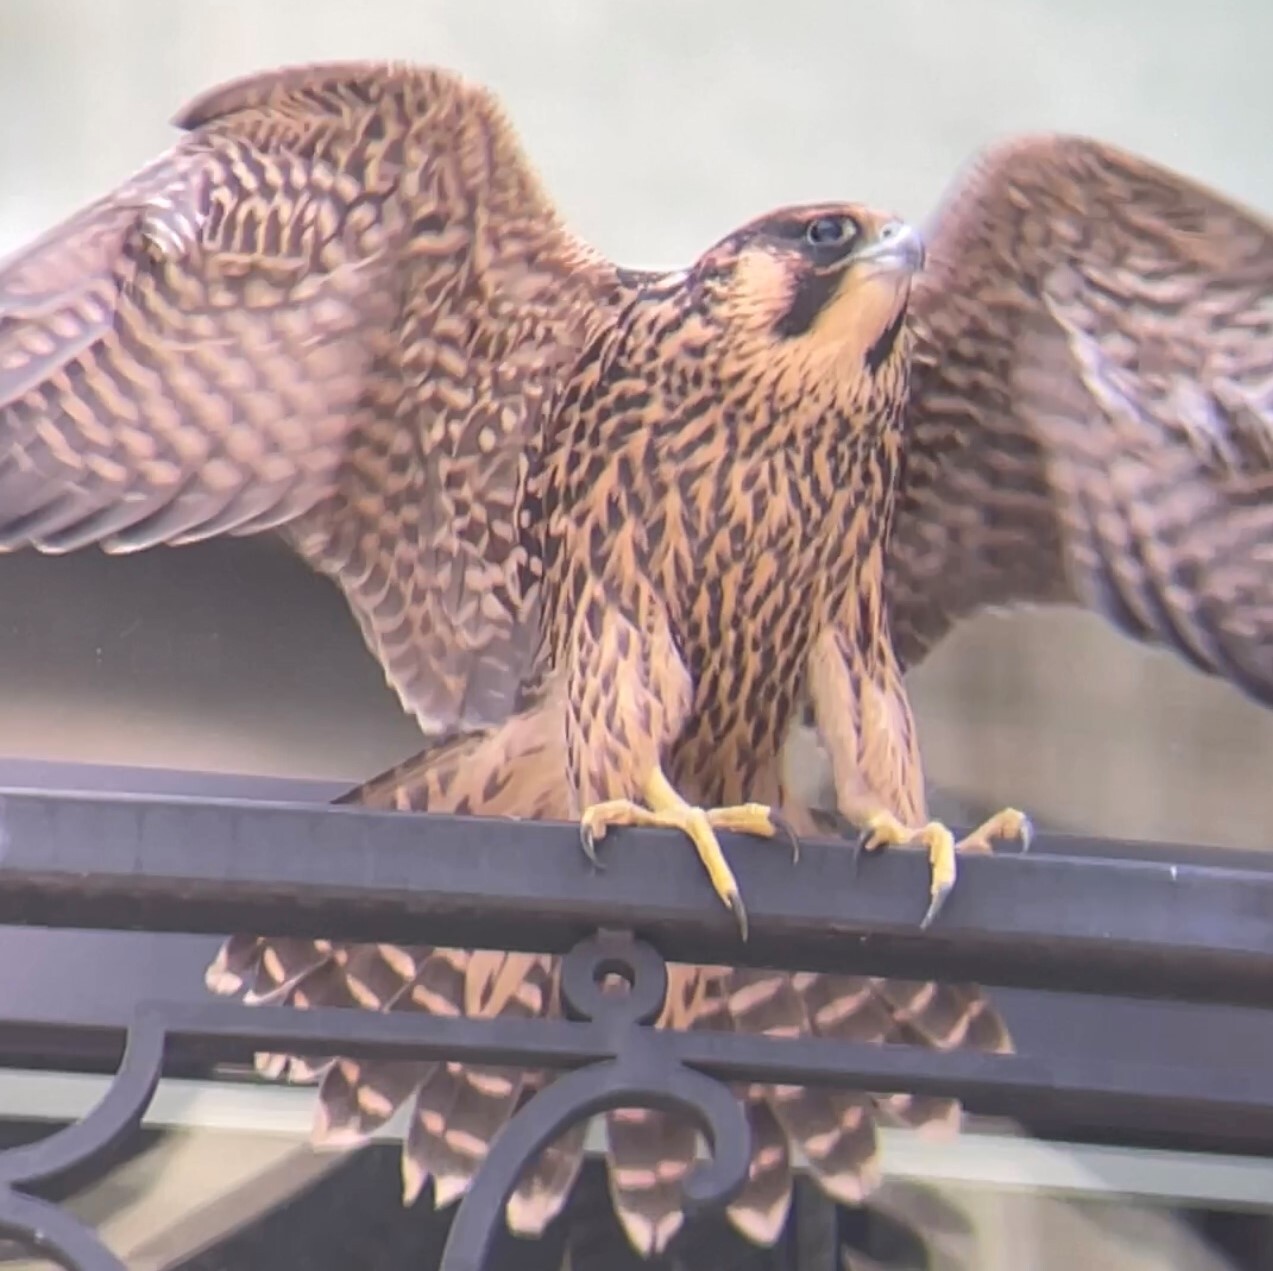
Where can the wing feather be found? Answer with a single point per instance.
(1091, 419)
(335, 308)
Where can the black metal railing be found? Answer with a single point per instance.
(1093, 918)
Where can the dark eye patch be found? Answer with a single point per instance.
(788, 229)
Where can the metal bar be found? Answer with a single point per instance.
(976, 1157)
(1125, 1096)
(1069, 916)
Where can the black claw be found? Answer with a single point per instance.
(739, 910)
(859, 850)
(588, 842)
(935, 906)
(855, 856)
(783, 826)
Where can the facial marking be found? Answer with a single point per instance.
(860, 313)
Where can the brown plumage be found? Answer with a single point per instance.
(1091, 414)
(342, 307)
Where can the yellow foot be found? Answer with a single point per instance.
(885, 830)
(666, 809)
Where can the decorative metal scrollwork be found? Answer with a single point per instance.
(640, 1073)
(632, 1067)
(46, 1228)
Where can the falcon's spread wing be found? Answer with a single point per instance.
(334, 307)
(1091, 416)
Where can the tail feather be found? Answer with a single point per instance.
(461, 1107)
(546, 1183)
(329, 981)
(760, 1210)
(933, 1114)
(652, 1207)
(456, 1114)
(236, 965)
(265, 971)
(947, 1016)
(943, 1017)
(357, 1098)
(851, 1008)
(649, 1153)
(846, 1007)
(835, 1129)
(381, 977)
(542, 1190)
(268, 973)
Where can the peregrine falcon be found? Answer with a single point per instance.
(616, 533)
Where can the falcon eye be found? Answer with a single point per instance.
(831, 231)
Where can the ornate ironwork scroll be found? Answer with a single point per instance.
(639, 1072)
(46, 1228)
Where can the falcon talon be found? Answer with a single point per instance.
(872, 839)
(1007, 823)
(935, 905)
(858, 851)
(755, 818)
(1026, 834)
(783, 826)
(588, 841)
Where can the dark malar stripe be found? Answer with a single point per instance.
(878, 353)
(813, 293)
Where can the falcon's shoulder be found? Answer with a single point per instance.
(1091, 414)
(336, 306)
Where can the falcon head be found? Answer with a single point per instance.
(822, 280)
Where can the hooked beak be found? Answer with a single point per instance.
(897, 247)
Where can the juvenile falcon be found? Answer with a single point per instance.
(366, 246)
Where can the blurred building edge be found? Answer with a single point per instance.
(231, 656)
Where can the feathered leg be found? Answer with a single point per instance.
(628, 695)
(865, 720)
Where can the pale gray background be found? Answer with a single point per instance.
(658, 125)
